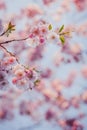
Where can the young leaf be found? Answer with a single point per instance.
(10, 28)
(62, 39)
(50, 27)
(61, 28)
(36, 82)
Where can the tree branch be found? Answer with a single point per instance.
(10, 53)
(7, 42)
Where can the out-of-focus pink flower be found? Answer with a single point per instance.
(47, 2)
(84, 71)
(75, 49)
(75, 101)
(65, 5)
(46, 74)
(71, 78)
(80, 4)
(50, 114)
(35, 54)
(6, 107)
(57, 85)
(49, 94)
(84, 97)
(2, 5)
(62, 123)
(33, 10)
(58, 59)
(65, 105)
(14, 80)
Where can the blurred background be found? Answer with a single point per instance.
(63, 68)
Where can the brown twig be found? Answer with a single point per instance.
(4, 33)
(7, 42)
(10, 53)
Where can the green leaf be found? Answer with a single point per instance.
(61, 28)
(36, 82)
(62, 39)
(50, 27)
(10, 28)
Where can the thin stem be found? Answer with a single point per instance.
(7, 42)
(10, 53)
(3, 33)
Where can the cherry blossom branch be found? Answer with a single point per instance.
(7, 42)
(9, 29)
(2, 34)
(10, 53)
